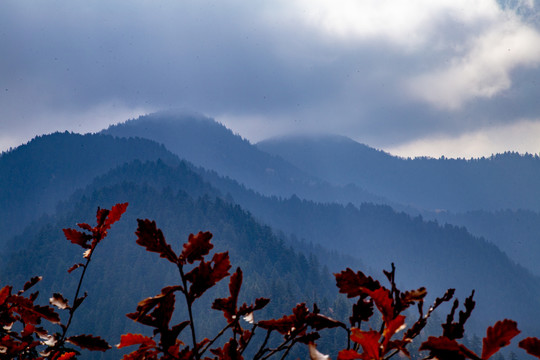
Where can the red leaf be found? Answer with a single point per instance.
(320, 322)
(115, 214)
(101, 216)
(207, 274)
(531, 345)
(77, 237)
(446, 348)
(28, 330)
(391, 328)
(149, 236)
(85, 226)
(197, 247)
(136, 339)
(31, 313)
(283, 325)
(349, 355)
(67, 356)
(353, 284)
(228, 305)
(222, 265)
(5, 292)
(369, 340)
(161, 317)
(383, 300)
(89, 342)
(498, 336)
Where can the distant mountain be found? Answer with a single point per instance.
(425, 253)
(206, 143)
(516, 232)
(35, 176)
(504, 181)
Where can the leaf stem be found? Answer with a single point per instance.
(190, 312)
(73, 308)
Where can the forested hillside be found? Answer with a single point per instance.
(122, 273)
(35, 176)
(516, 232)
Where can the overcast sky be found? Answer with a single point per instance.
(415, 77)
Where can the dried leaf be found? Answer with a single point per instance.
(59, 301)
(409, 297)
(79, 301)
(33, 281)
(314, 354)
(76, 266)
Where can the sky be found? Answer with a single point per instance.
(457, 78)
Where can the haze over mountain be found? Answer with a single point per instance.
(204, 142)
(503, 181)
(35, 176)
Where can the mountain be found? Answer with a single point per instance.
(35, 176)
(503, 181)
(183, 198)
(424, 252)
(516, 232)
(206, 143)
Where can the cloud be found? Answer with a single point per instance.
(384, 72)
(484, 70)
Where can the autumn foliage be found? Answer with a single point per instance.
(23, 334)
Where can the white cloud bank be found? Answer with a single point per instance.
(523, 135)
(476, 44)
